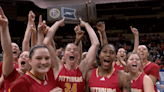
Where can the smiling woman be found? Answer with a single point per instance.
(106, 77)
(40, 77)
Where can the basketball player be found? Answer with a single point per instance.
(40, 78)
(106, 78)
(140, 82)
(121, 54)
(70, 76)
(149, 68)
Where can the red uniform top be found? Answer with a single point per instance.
(118, 67)
(104, 84)
(158, 61)
(151, 69)
(70, 80)
(137, 83)
(30, 83)
(16, 65)
(12, 77)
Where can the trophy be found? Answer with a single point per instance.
(72, 13)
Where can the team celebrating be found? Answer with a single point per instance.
(38, 68)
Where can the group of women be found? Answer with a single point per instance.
(39, 69)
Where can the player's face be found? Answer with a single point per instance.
(133, 63)
(40, 61)
(142, 51)
(107, 56)
(121, 54)
(23, 61)
(71, 54)
(15, 50)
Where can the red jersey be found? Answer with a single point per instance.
(10, 79)
(137, 83)
(30, 83)
(158, 61)
(104, 84)
(70, 80)
(16, 65)
(151, 69)
(118, 67)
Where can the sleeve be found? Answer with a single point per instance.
(154, 71)
(21, 85)
(10, 79)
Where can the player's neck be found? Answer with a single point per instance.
(38, 75)
(118, 62)
(104, 72)
(134, 75)
(144, 61)
(70, 67)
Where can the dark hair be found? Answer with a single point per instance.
(34, 48)
(99, 51)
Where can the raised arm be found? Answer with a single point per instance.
(136, 38)
(52, 41)
(33, 35)
(8, 63)
(101, 30)
(31, 19)
(56, 62)
(100, 35)
(52, 31)
(79, 36)
(91, 55)
(41, 28)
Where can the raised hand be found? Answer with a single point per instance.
(31, 16)
(46, 30)
(82, 23)
(61, 22)
(42, 25)
(79, 32)
(99, 32)
(3, 19)
(100, 26)
(134, 30)
(33, 28)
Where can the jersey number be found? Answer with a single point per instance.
(69, 88)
